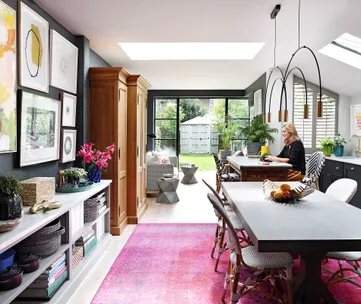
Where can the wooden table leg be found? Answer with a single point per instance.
(312, 288)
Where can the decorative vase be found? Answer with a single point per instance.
(253, 148)
(225, 153)
(327, 150)
(338, 151)
(11, 211)
(94, 174)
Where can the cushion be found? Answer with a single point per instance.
(265, 260)
(162, 158)
(149, 156)
(344, 255)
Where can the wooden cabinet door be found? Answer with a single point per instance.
(354, 172)
(122, 151)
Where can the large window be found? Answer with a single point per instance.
(313, 129)
(238, 115)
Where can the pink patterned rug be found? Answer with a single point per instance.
(171, 263)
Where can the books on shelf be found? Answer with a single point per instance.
(45, 282)
(85, 237)
(89, 245)
(44, 293)
(101, 210)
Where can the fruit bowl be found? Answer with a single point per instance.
(283, 193)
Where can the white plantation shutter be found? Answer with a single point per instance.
(326, 125)
(303, 126)
(313, 129)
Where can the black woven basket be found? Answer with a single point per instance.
(43, 245)
(90, 210)
(49, 229)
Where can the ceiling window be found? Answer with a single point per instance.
(346, 48)
(313, 129)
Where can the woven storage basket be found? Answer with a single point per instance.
(37, 189)
(90, 210)
(45, 242)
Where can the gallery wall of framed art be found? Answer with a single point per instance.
(37, 63)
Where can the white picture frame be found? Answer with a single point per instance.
(355, 119)
(68, 109)
(40, 129)
(8, 77)
(257, 102)
(63, 63)
(33, 49)
(68, 145)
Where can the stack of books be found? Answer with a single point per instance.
(102, 202)
(46, 285)
(88, 241)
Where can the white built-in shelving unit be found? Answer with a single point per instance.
(71, 215)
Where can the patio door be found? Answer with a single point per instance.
(166, 125)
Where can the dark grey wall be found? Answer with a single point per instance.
(260, 83)
(8, 162)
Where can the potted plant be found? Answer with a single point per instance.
(11, 204)
(73, 175)
(257, 133)
(327, 144)
(226, 133)
(340, 141)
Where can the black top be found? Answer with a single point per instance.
(296, 155)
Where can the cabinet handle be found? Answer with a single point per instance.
(119, 153)
(352, 168)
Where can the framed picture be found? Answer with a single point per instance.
(257, 98)
(40, 129)
(34, 50)
(355, 119)
(68, 109)
(64, 63)
(68, 145)
(7, 79)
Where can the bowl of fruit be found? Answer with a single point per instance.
(284, 193)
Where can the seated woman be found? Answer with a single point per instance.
(293, 153)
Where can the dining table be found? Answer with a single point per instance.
(311, 227)
(253, 170)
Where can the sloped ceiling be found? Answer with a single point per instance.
(105, 23)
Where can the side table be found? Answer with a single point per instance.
(189, 177)
(168, 188)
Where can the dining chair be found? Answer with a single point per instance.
(314, 166)
(221, 227)
(223, 174)
(344, 189)
(267, 267)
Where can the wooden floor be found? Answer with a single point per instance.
(193, 207)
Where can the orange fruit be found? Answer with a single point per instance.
(285, 187)
(272, 194)
(278, 195)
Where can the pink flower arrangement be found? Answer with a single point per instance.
(93, 156)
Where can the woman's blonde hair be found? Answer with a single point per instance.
(290, 128)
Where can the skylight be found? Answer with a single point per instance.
(192, 50)
(346, 48)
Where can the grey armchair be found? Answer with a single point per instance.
(155, 171)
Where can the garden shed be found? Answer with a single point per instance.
(198, 136)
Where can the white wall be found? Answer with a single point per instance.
(343, 112)
(355, 99)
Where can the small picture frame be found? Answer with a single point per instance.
(68, 145)
(68, 109)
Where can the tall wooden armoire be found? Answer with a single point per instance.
(108, 95)
(137, 139)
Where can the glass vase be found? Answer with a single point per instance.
(338, 151)
(327, 150)
(94, 174)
